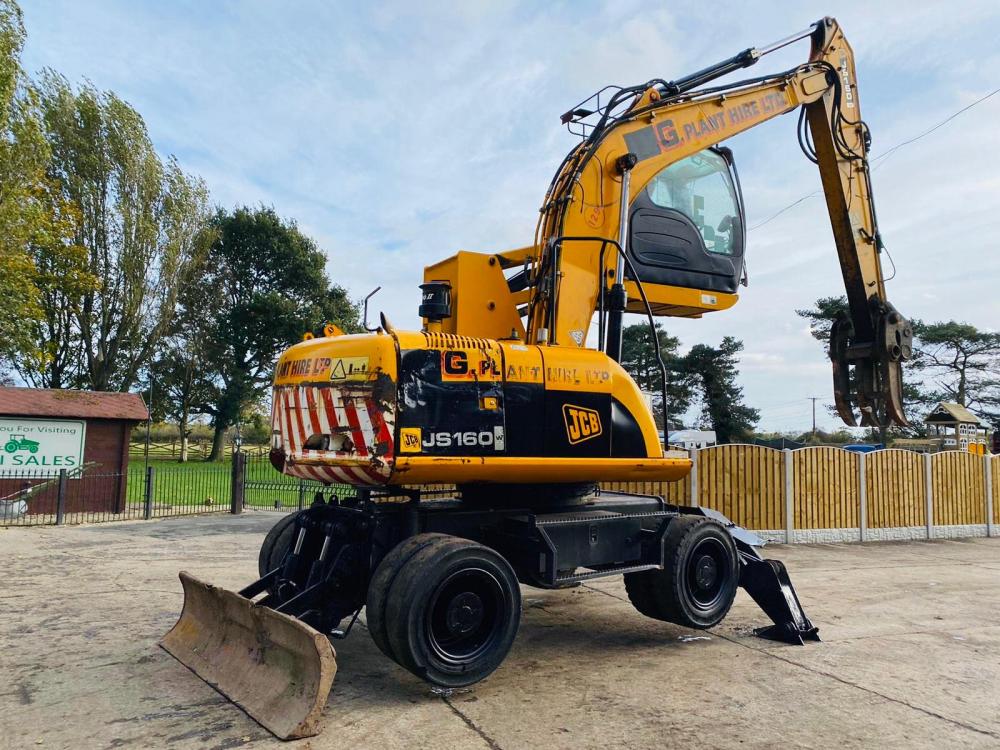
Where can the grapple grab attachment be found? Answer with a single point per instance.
(876, 382)
(278, 669)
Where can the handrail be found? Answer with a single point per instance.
(556, 242)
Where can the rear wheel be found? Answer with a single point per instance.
(452, 612)
(383, 578)
(277, 543)
(699, 579)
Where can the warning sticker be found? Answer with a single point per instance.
(349, 368)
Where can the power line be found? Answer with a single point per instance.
(943, 122)
(885, 154)
(786, 208)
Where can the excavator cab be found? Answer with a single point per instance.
(687, 228)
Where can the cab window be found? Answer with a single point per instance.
(701, 187)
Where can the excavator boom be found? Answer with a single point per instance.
(642, 132)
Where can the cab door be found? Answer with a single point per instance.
(686, 227)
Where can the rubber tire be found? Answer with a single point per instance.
(382, 580)
(639, 588)
(663, 594)
(412, 592)
(276, 544)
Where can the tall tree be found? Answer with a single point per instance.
(714, 371)
(821, 316)
(639, 360)
(139, 221)
(178, 377)
(22, 158)
(261, 287)
(959, 363)
(35, 221)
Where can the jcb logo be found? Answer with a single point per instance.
(581, 423)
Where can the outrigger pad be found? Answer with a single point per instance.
(768, 584)
(276, 668)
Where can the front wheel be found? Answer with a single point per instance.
(276, 544)
(452, 612)
(699, 579)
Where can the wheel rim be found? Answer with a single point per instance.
(708, 573)
(466, 616)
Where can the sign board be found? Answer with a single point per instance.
(41, 447)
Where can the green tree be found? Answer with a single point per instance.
(22, 160)
(639, 360)
(139, 222)
(262, 285)
(178, 376)
(959, 363)
(821, 316)
(714, 371)
(36, 252)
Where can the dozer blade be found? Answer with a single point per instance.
(768, 584)
(276, 668)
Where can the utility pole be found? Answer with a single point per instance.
(814, 399)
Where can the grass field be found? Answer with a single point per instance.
(197, 483)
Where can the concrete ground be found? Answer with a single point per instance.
(910, 658)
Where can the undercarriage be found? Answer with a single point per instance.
(438, 578)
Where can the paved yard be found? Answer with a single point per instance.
(910, 658)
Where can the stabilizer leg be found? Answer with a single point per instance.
(768, 584)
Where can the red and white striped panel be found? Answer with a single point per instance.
(302, 411)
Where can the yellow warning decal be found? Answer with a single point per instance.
(349, 368)
(409, 440)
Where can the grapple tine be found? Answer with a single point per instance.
(839, 336)
(276, 668)
(768, 584)
(894, 394)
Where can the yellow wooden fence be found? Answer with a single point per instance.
(836, 489)
(896, 489)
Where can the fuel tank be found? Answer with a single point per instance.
(423, 407)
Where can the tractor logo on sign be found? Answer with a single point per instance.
(581, 423)
(17, 443)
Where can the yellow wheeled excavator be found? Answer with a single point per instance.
(510, 395)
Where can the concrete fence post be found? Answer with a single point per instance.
(789, 497)
(694, 478)
(862, 496)
(989, 493)
(61, 498)
(929, 493)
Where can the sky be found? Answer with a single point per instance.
(396, 133)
